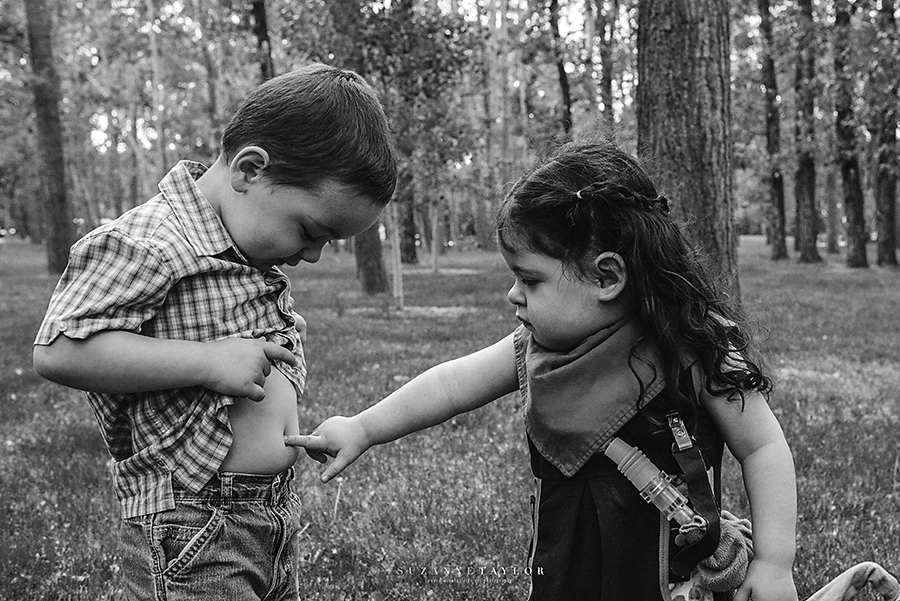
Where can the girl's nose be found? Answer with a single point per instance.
(515, 295)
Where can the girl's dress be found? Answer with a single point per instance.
(594, 537)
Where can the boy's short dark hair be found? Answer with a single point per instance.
(318, 122)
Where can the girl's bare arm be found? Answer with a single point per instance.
(755, 438)
(429, 399)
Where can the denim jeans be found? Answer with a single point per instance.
(234, 540)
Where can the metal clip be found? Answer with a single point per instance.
(679, 431)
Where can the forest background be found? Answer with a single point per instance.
(475, 90)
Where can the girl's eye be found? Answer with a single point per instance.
(528, 282)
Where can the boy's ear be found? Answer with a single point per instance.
(247, 167)
(611, 276)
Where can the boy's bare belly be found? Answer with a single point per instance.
(259, 430)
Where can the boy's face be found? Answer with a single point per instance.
(278, 225)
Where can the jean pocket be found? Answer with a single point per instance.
(182, 534)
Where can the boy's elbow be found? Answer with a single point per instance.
(49, 361)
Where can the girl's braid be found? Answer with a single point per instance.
(623, 196)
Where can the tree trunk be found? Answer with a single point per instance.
(885, 131)
(212, 80)
(854, 203)
(159, 115)
(606, 25)
(406, 217)
(805, 179)
(590, 35)
(489, 167)
(368, 250)
(60, 230)
(264, 46)
(683, 115)
(559, 57)
(370, 260)
(773, 137)
(833, 225)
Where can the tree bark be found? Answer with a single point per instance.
(406, 209)
(833, 224)
(854, 203)
(368, 250)
(264, 46)
(683, 115)
(885, 130)
(590, 35)
(159, 115)
(775, 180)
(60, 229)
(212, 79)
(804, 129)
(559, 57)
(606, 25)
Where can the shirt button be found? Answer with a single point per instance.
(61, 326)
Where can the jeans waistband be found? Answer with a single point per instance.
(227, 486)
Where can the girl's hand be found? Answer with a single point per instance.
(340, 437)
(767, 581)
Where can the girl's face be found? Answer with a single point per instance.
(559, 308)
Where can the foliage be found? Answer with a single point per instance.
(431, 67)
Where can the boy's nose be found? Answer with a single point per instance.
(313, 252)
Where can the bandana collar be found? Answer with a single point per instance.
(576, 401)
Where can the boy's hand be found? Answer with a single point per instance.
(300, 326)
(239, 366)
(340, 437)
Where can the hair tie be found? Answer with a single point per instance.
(659, 204)
(578, 195)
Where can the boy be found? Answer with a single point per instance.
(173, 316)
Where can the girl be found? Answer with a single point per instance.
(620, 325)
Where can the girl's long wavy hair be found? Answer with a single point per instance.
(591, 197)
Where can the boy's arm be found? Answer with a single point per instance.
(756, 440)
(431, 398)
(121, 362)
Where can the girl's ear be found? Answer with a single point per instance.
(611, 276)
(247, 167)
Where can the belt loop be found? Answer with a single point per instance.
(226, 493)
(281, 485)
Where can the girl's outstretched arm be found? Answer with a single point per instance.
(755, 438)
(429, 399)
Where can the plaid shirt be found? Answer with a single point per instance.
(169, 269)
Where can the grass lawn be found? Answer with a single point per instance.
(444, 514)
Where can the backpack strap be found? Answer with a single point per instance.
(701, 495)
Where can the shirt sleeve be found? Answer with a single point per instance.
(112, 282)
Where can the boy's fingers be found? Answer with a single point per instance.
(257, 393)
(275, 352)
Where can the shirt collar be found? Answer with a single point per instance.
(200, 222)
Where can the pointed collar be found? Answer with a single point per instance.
(199, 221)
